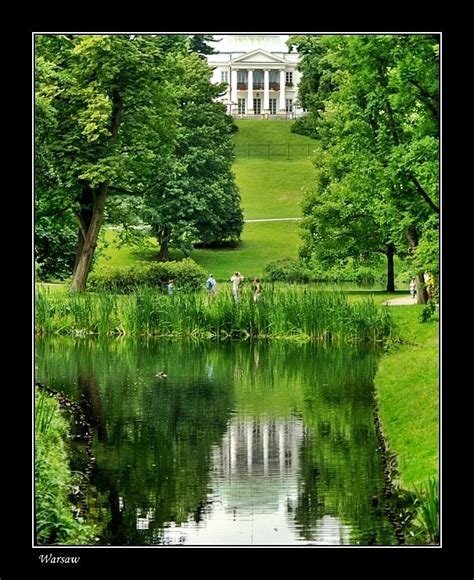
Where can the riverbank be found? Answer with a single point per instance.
(407, 392)
(54, 482)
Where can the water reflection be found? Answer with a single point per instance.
(240, 444)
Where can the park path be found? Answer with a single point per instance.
(400, 301)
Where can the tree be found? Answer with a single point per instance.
(104, 119)
(196, 198)
(199, 44)
(376, 118)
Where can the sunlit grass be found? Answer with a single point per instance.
(407, 384)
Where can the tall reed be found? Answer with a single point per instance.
(427, 500)
(283, 312)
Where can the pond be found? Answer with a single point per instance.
(231, 443)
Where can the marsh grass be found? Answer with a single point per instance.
(427, 519)
(285, 311)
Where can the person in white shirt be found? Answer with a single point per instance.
(237, 280)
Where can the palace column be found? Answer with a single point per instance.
(282, 91)
(265, 447)
(250, 92)
(233, 90)
(266, 91)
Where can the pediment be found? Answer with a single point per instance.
(258, 56)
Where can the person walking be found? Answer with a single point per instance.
(170, 287)
(211, 285)
(237, 281)
(257, 290)
(413, 288)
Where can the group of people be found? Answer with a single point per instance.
(237, 281)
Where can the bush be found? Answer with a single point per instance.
(55, 247)
(305, 125)
(428, 312)
(286, 271)
(349, 272)
(186, 274)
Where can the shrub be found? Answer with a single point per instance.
(186, 274)
(428, 312)
(286, 271)
(55, 247)
(305, 125)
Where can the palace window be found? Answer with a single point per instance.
(289, 105)
(258, 80)
(224, 76)
(241, 106)
(273, 106)
(289, 78)
(242, 76)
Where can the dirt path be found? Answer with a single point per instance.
(400, 301)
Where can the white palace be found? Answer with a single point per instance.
(260, 74)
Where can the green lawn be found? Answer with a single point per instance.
(272, 188)
(277, 131)
(407, 392)
(113, 257)
(262, 242)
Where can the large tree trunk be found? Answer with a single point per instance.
(84, 216)
(421, 293)
(84, 258)
(390, 268)
(164, 254)
(91, 215)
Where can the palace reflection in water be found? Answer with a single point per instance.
(242, 444)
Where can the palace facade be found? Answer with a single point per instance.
(260, 75)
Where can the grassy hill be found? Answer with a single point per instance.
(270, 186)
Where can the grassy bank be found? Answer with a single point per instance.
(55, 523)
(407, 393)
(284, 312)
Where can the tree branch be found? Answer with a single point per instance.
(82, 224)
(430, 101)
(423, 194)
(51, 212)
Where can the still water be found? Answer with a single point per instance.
(239, 444)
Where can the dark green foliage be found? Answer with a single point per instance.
(199, 43)
(55, 246)
(373, 103)
(186, 274)
(195, 198)
(350, 271)
(305, 125)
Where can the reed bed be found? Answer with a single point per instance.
(283, 312)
